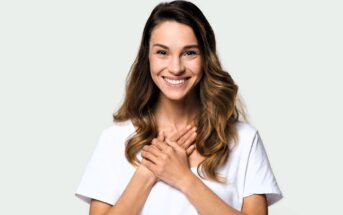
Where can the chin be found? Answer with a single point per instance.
(174, 97)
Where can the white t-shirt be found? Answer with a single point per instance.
(247, 170)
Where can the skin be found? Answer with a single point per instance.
(169, 162)
(142, 181)
(171, 58)
(181, 58)
(174, 54)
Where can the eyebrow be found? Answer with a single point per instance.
(185, 47)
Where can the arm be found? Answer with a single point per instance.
(135, 194)
(136, 191)
(169, 163)
(205, 200)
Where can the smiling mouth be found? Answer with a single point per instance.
(179, 81)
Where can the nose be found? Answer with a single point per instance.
(176, 66)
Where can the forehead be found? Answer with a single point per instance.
(171, 33)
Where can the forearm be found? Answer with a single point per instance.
(204, 199)
(134, 196)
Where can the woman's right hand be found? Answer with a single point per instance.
(142, 170)
(185, 138)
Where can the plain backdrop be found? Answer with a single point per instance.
(63, 66)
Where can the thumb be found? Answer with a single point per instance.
(173, 144)
(160, 136)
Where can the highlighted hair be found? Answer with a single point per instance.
(220, 106)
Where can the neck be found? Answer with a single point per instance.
(176, 114)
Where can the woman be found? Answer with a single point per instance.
(177, 145)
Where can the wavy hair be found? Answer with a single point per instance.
(220, 107)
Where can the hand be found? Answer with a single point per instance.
(143, 171)
(167, 160)
(185, 138)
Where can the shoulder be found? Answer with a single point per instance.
(118, 129)
(117, 132)
(246, 130)
(247, 134)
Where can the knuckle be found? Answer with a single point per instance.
(169, 150)
(164, 157)
(160, 143)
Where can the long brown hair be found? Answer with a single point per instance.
(217, 92)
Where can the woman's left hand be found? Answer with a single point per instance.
(168, 161)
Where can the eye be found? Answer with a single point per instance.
(190, 53)
(161, 52)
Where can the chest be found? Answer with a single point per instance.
(164, 199)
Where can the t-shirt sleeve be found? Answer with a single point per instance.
(96, 182)
(259, 175)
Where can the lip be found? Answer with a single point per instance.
(178, 85)
(176, 78)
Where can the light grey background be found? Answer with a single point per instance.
(63, 66)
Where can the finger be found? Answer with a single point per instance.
(153, 150)
(190, 150)
(174, 136)
(163, 146)
(189, 141)
(184, 131)
(173, 145)
(149, 156)
(157, 143)
(177, 135)
(148, 164)
(161, 136)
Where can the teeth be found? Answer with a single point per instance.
(174, 81)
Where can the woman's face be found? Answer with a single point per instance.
(175, 60)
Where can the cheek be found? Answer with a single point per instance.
(155, 65)
(196, 67)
